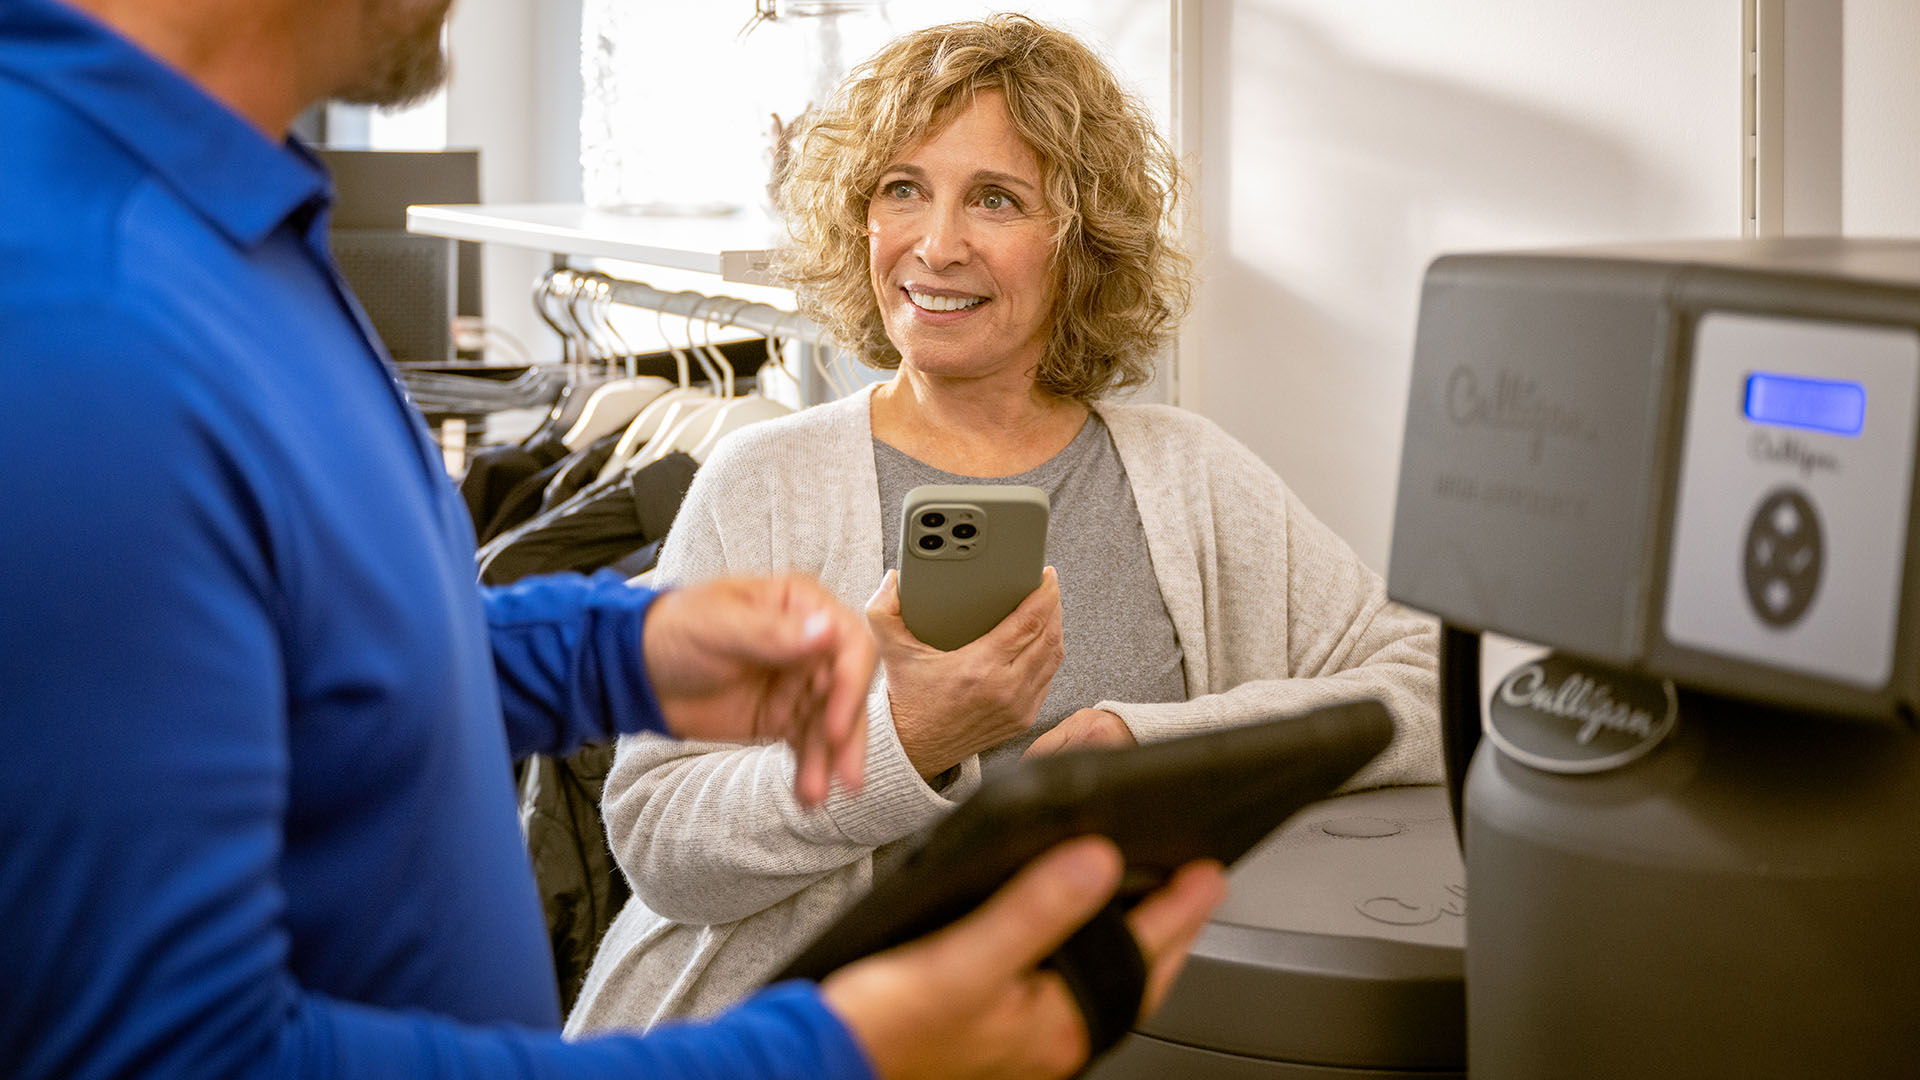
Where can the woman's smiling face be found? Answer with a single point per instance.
(960, 246)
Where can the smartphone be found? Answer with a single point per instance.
(1213, 795)
(969, 553)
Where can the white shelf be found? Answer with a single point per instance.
(735, 247)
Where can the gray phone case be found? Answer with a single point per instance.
(969, 553)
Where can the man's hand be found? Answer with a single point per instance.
(759, 659)
(1083, 730)
(948, 706)
(971, 1000)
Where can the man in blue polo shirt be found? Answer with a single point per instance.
(255, 716)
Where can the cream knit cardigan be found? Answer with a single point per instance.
(1274, 613)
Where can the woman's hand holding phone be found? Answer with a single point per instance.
(948, 706)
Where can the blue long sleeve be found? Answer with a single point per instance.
(783, 1033)
(567, 652)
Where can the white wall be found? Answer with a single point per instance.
(514, 93)
(1881, 132)
(1347, 144)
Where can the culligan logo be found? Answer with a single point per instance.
(1562, 715)
(1512, 402)
(1774, 449)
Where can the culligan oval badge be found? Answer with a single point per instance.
(1563, 715)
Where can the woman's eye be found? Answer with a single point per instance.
(994, 200)
(900, 189)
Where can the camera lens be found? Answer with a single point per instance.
(964, 531)
(933, 519)
(930, 542)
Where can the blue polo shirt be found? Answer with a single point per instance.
(256, 719)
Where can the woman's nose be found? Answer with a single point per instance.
(944, 240)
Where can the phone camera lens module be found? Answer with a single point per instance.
(933, 519)
(963, 531)
(931, 543)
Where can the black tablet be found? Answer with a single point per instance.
(1213, 795)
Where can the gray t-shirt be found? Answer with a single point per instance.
(1120, 643)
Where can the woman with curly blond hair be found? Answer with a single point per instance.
(983, 208)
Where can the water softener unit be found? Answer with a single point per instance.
(1692, 830)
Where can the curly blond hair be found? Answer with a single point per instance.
(1112, 185)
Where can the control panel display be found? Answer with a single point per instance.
(1832, 406)
(1789, 532)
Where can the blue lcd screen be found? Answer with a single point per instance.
(1839, 408)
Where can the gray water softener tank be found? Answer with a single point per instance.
(1337, 956)
(1692, 829)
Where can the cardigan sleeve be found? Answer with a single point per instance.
(1289, 618)
(709, 832)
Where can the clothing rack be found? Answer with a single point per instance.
(722, 310)
(816, 352)
(735, 248)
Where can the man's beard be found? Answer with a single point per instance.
(405, 63)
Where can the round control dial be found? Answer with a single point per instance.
(1783, 557)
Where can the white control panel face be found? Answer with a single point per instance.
(1790, 528)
